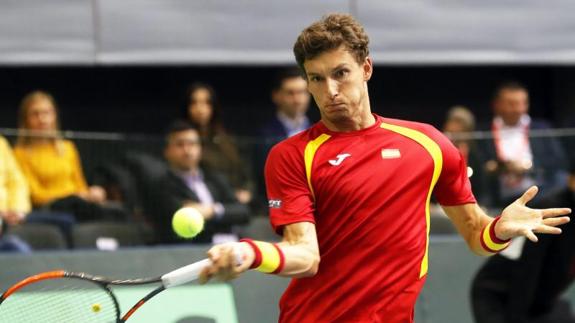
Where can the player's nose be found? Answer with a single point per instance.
(332, 88)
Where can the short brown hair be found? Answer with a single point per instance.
(508, 86)
(331, 32)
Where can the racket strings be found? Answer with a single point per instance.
(59, 301)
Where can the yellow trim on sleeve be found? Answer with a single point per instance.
(309, 153)
(435, 151)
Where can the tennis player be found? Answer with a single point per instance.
(351, 195)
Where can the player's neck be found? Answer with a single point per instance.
(365, 120)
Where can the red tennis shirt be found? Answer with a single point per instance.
(368, 193)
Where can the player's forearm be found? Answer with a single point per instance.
(301, 250)
(300, 260)
(475, 245)
(285, 259)
(470, 220)
(296, 256)
(481, 219)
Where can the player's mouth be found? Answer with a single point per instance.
(335, 106)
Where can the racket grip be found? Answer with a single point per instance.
(185, 274)
(190, 272)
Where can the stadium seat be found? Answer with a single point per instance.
(107, 235)
(40, 236)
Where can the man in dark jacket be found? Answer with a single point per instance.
(525, 285)
(187, 184)
(518, 155)
(291, 100)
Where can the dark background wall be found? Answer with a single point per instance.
(144, 99)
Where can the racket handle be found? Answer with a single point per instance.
(191, 272)
(185, 274)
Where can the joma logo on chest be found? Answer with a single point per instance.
(339, 159)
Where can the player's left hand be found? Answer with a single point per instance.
(519, 220)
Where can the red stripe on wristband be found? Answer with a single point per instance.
(282, 260)
(492, 235)
(258, 254)
(484, 245)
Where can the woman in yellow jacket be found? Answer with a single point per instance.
(14, 198)
(51, 164)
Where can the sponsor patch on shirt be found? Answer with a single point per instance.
(390, 153)
(275, 204)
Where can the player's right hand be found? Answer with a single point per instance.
(225, 258)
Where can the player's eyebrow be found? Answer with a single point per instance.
(338, 67)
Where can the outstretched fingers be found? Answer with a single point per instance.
(547, 229)
(556, 221)
(528, 195)
(548, 213)
(530, 235)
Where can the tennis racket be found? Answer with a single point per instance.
(62, 296)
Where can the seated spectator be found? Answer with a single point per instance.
(51, 165)
(291, 100)
(524, 283)
(188, 184)
(14, 198)
(219, 150)
(517, 160)
(458, 126)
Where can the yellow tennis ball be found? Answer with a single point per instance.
(187, 222)
(96, 307)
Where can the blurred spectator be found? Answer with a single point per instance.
(14, 198)
(569, 141)
(219, 150)
(52, 165)
(515, 159)
(188, 184)
(458, 126)
(291, 99)
(523, 284)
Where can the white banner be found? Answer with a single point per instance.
(263, 32)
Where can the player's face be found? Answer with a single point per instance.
(292, 98)
(339, 87)
(510, 105)
(41, 115)
(200, 109)
(184, 150)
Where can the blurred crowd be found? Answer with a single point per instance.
(44, 191)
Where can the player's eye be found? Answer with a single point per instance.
(341, 73)
(314, 78)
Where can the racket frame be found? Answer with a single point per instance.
(99, 281)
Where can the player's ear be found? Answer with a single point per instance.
(367, 69)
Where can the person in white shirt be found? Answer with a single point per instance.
(518, 160)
